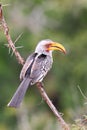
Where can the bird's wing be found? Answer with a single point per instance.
(28, 63)
(40, 67)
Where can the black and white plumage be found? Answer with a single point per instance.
(35, 68)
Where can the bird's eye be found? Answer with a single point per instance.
(47, 46)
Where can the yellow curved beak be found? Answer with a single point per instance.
(57, 46)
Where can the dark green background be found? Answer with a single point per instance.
(63, 21)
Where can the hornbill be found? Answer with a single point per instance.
(35, 68)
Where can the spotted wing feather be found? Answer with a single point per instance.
(40, 67)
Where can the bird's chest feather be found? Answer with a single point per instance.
(40, 66)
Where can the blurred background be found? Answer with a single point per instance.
(63, 21)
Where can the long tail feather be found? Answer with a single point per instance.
(19, 94)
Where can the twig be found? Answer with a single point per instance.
(82, 93)
(21, 61)
(18, 38)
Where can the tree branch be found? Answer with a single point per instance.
(21, 61)
(8, 37)
(52, 107)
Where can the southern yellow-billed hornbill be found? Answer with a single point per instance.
(35, 68)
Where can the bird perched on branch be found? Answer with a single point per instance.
(35, 68)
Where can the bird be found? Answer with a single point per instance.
(35, 68)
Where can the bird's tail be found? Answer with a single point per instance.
(19, 94)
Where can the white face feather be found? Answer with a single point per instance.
(40, 48)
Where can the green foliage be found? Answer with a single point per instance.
(62, 21)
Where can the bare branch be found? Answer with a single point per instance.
(8, 37)
(52, 107)
(21, 61)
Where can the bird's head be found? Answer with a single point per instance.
(47, 46)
